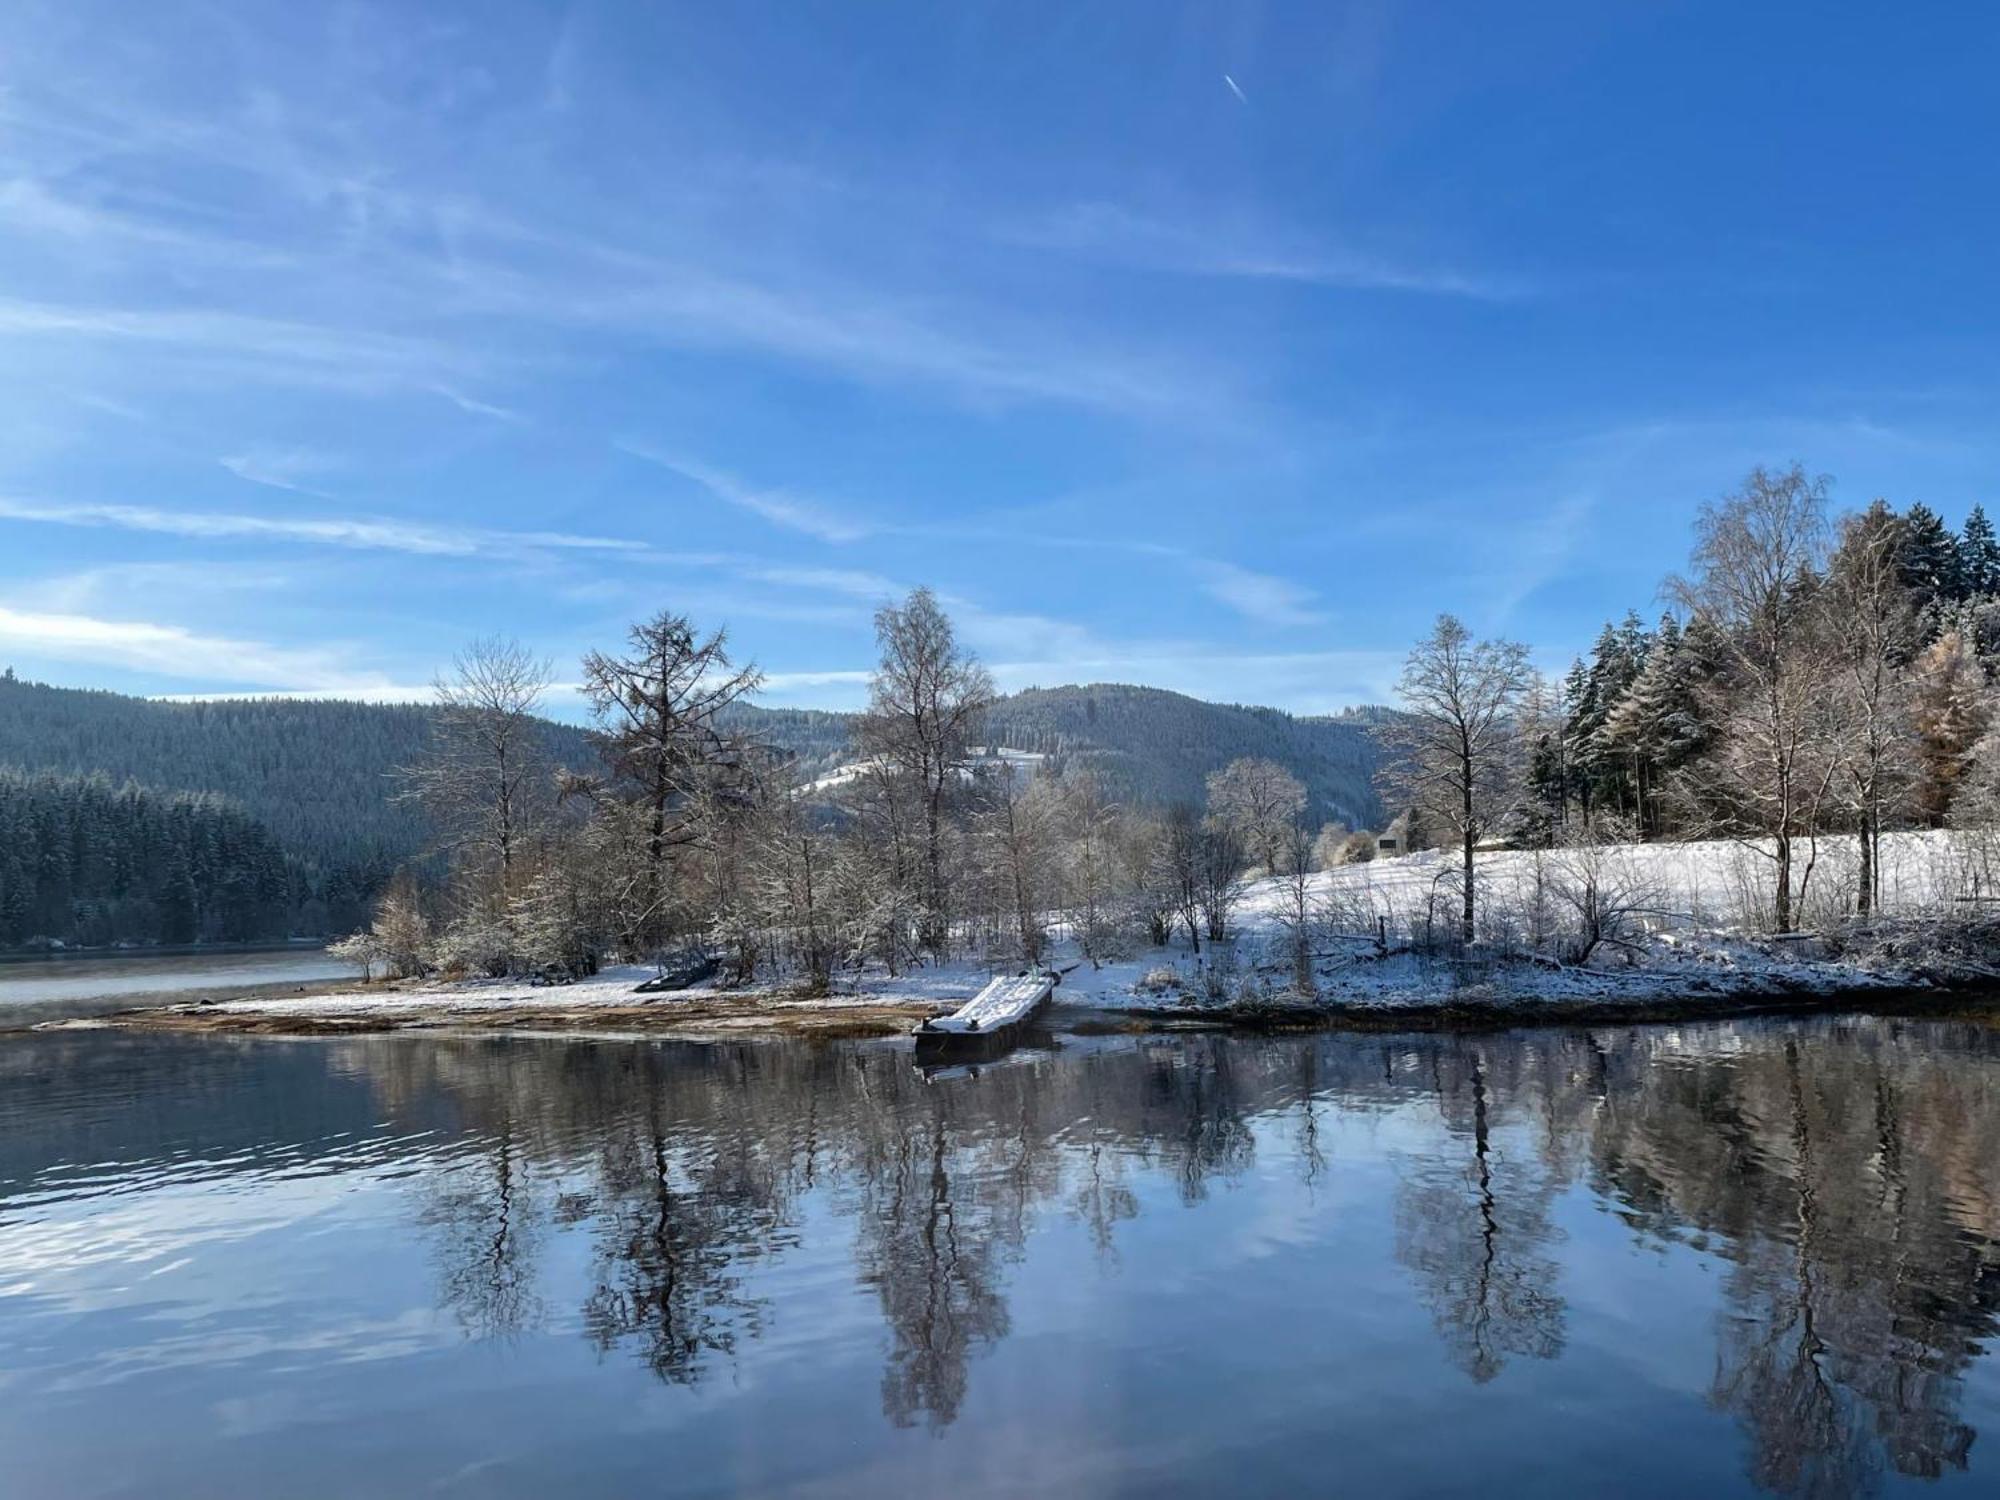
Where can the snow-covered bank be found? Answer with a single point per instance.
(1684, 937)
(1681, 925)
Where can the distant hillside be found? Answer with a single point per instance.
(317, 775)
(1151, 746)
(84, 861)
(1158, 747)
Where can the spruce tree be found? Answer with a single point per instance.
(1978, 556)
(1931, 565)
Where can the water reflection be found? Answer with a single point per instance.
(1841, 1179)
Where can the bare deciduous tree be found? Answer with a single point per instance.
(486, 777)
(925, 702)
(1016, 826)
(1218, 876)
(1295, 909)
(1757, 560)
(1259, 800)
(1871, 620)
(1451, 754)
(1593, 875)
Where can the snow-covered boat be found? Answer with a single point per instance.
(991, 1019)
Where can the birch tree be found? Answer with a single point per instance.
(1871, 620)
(486, 777)
(925, 703)
(1756, 566)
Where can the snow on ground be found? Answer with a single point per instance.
(1710, 885)
(1696, 934)
(1021, 764)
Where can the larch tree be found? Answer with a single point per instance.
(661, 736)
(1949, 711)
(1452, 752)
(925, 703)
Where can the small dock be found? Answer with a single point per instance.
(992, 1017)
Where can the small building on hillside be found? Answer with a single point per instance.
(1394, 840)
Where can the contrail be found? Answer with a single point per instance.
(1234, 89)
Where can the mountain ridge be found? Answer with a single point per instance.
(317, 772)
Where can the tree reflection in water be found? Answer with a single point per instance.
(1847, 1176)
(1473, 1227)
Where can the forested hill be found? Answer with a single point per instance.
(1150, 745)
(84, 861)
(317, 775)
(1154, 746)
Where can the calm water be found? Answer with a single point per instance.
(1747, 1258)
(36, 989)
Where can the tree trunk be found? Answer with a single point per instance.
(1471, 833)
(1865, 894)
(1784, 902)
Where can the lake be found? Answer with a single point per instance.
(1734, 1258)
(36, 989)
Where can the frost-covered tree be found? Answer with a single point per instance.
(1088, 826)
(1260, 801)
(1296, 915)
(1949, 711)
(1872, 625)
(1328, 845)
(1978, 555)
(1452, 754)
(1754, 578)
(925, 702)
(1016, 834)
(486, 784)
(1218, 876)
(1179, 859)
(664, 743)
(1930, 559)
(399, 938)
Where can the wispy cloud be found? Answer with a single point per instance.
(1262, 597)
(856, 584)
(1116, 235)
(786, 684)
(279, 468)
(475, 407)
(174, 652)
(776, 506)
(365, 533)
(237, 343)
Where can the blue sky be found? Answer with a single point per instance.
(1216, 347)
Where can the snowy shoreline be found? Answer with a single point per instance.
(1369, 967)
